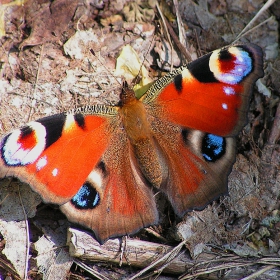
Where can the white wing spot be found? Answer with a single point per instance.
(225, 106)
(229, 90)
(41, 163)
(55, 172)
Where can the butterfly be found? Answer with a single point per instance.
(103, 164)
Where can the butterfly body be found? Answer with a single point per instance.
(103, 163)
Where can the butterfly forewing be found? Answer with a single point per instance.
(55, 154)
(212, 93)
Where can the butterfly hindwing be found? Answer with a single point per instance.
(123, 203)
(198, 164)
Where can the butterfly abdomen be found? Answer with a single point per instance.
(135, 122)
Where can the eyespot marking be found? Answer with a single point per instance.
(86, 198)
(24, 146)
(213, 147)
(232, 65)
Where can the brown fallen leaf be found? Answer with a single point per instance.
(48, 20)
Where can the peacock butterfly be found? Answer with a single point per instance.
(102, 163)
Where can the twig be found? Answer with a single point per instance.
(181, 29)
(36, 82)
(275, 131)
(167, 33)
(91, 271)
(264, 8)
(249, 31)
(166, 258)
(27, 237)
(259, 272)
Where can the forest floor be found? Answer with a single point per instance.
(47, 68)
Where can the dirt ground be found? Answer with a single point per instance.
(46, 67)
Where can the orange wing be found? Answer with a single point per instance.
(52, 154)
(85, 164)
(122, 203)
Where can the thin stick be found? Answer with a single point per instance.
(249, 31)
(181, 29)
(167, 33)
(105, 67)
(27, 237)
(91, 271)
(167, 258)
(36, 82)
(259, 272)
(144, 59)
(264, 8)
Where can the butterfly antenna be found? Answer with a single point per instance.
(146, 54)
(105, 67)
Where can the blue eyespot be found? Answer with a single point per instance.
(86, 198)
(213, 147)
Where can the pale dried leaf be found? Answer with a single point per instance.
(76, 46)
(53, 263)
(12, 220)
(15, 250)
